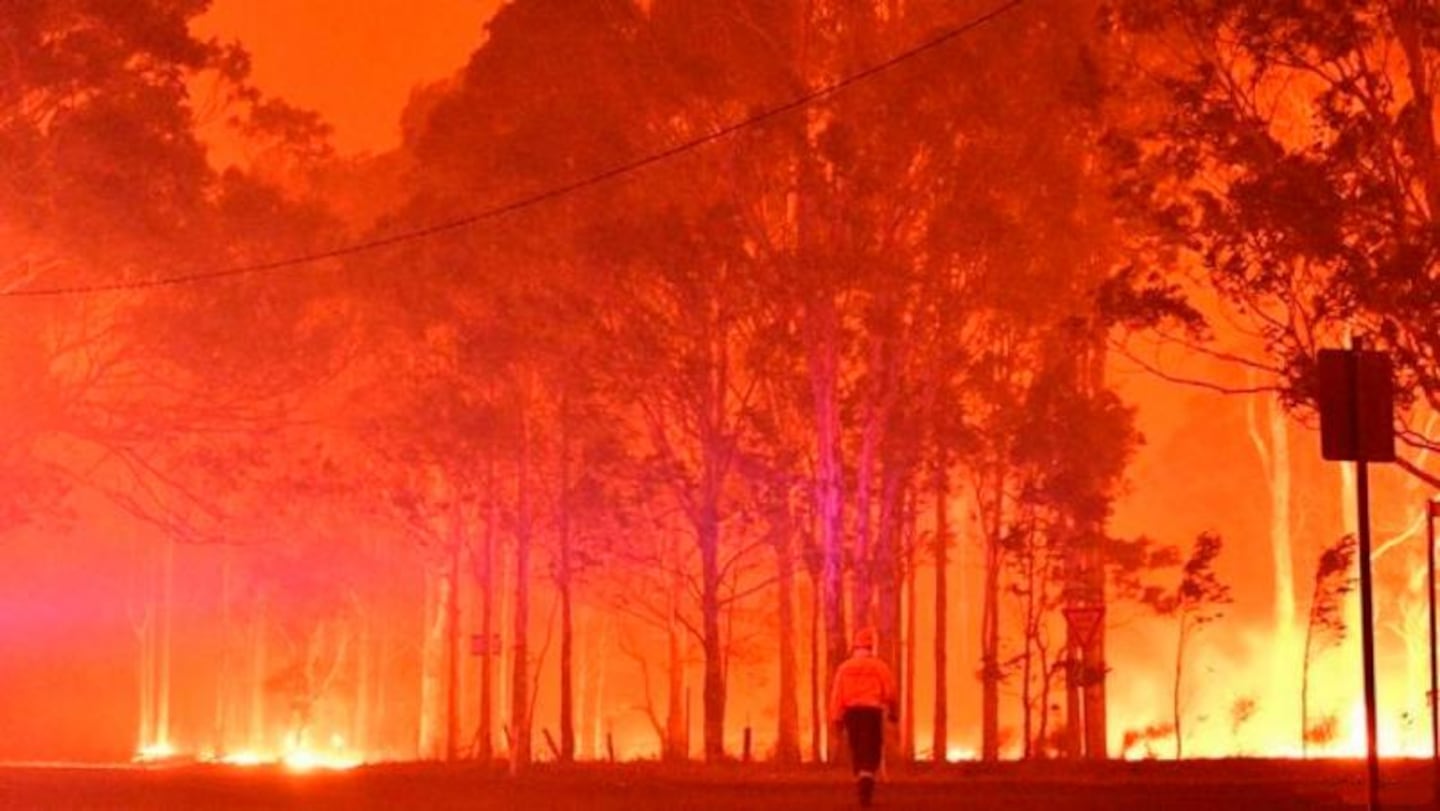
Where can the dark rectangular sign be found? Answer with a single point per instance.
(1357, 406)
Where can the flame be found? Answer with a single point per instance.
(296, 757)
(1270, 729)
(1395, 739)
(299, 757)
(153, 752)
(305, 760)
(246, 758)
(296, 760)
(955, 754)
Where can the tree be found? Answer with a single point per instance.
(1195, 602)
(809, 253)
(1273, 447)
(1062, 495)
(656, 561)
(684, 337)
(107, 185)
(1281, 158)
(589, 513)
(1326, 624)
(781, 499)
(1289, 159)
(502, 125)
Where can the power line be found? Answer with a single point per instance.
(537, 198)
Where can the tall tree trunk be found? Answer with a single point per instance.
(584, 683)
(1092, 367)
(990, 672)
(1074, 698)
(907, 726)
(363, 736)
(564, 579)
(259, 664)
(505, 662)
(863, 556)
(886, 560)
(1305, 683)
(598, 703)
(1270, 436)
(714, 684)
(886, 575)
(820, 323)
(590, 675)
(567, 670)
(451, 594)
(145, 736)
(939, 742)
(817, 703)
(1046, 687)
(362, 722)
(1175, 714)
(167, 644)
(787, 746)
(486, 733)
(429, 743)
(1280, 528)
(1027, 654)
(1094, 668)
(520, 665)
(224, 681)
(145, 636)
(677, 724)
(823, 332)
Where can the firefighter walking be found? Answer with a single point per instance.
(861, 700)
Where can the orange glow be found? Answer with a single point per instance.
(155, 752)
(245, 759)
(302, 760)
(316, 55)
(310, 596)
(296, 758)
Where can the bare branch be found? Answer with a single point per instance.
(1208, 385)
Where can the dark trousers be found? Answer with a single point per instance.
(865, 730)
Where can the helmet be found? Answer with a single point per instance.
(865, 638)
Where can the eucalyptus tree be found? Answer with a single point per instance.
(1279, 161)
(152, 395)
(1283, 156)
(905, 224)
(518, 294)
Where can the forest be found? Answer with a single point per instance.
(680, 339)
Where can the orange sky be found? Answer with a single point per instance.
(353, 61)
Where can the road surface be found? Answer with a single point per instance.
(1191, 786)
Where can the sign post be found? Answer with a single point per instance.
(1357, 411)
(1432, 512)
(1082, 621)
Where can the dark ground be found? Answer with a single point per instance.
(1227, 785)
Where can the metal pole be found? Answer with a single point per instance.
(1367, 600)
(1432, 508)
(1367, 635)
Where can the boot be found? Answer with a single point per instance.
(865, 788)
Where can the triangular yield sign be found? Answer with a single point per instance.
(1084, 622)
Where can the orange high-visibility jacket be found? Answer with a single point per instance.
(862, 681)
